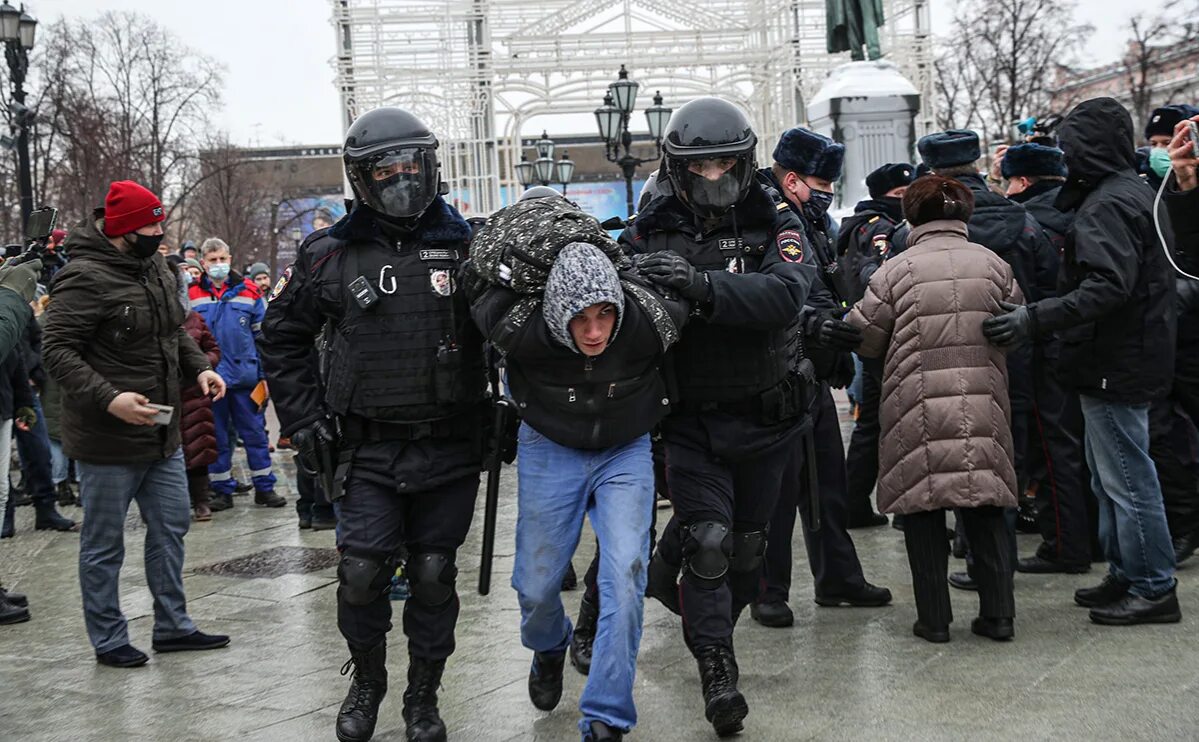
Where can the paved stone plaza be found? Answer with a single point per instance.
(838, 674)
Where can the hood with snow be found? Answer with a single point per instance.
(582, 276)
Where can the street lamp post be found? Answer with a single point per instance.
(613, 120)
(544, 170)
(17, 31)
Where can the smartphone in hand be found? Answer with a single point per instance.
(165, 413)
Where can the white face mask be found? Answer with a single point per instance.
(218, 271)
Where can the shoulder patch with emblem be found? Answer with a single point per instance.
(790, 245)
(281, 284)
(873, 219)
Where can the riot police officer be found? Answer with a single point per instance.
(806, 165)
(720, 241)
(399, 416)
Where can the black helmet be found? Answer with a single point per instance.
(391, 161)
(709, 129)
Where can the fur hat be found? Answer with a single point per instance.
(891, 175)
(1164, 119)
(582, 275)
(1032, 160)
(809, 153)
(949, 148)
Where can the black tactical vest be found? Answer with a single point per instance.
(413, 355)
(718, 363)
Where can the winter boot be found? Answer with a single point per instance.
(49, 519)
(545, 679)
(584, 636)
(269, 499)
(423, 721)
(724, 706)
(11, 612)
(358, 714)
(66, 496)
(9, 524)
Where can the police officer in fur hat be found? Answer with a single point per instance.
(805, 167)
(874, 232)
(1065, 516)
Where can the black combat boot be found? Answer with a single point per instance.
(545, 679)
(358, 714)
(724, 706)
(584, 636)
(423, 721)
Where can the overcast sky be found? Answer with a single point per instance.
(278, 80)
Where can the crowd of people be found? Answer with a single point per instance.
(1018, 343)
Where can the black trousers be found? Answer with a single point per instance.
(1172, 424)
(311, 501)
(831, 553)
(1066, 512)
(740, 494)
(861, 461)
(376, 521)
(928, 558)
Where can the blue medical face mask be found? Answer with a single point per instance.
(218, 271)
(1159, 161)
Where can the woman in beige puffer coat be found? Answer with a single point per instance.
(946, 436)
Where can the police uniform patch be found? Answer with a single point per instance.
(790, 245)
(280, 284)
(882, 246)
(441, 282)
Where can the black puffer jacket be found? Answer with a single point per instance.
(1183, 207)
(1039, 200)
(1009, 231)
(115, 324)
(1115, 313)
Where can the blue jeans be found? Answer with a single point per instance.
(237, 407)
(1132, 517)
(614, 487)
(60, 465)
(34, 447)
(160, 488)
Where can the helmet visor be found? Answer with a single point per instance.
(399, 183)
(710, 186)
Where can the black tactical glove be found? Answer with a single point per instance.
(843, 371)
(828, 330)
(21, 278)
(308, 442)
(673, 271)
(1011, 329)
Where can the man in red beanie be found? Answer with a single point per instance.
(114, 341)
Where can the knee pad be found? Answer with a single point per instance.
(431, 578)
(363, 578)
(748, 549)
(707, 545)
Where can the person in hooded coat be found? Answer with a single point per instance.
(584, 365)
(1115, 315)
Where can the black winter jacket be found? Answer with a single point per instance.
(116, 325)
(1039, 200)
(1183, 208)
(576, 401)
(1009, 231)
(15, 391)
(866, 240)
(1115, 311)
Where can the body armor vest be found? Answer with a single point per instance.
(721, 363)
(413, 354)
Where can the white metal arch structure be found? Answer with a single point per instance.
(477, 71)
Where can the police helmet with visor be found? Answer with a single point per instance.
(391, 161)
(709, 145)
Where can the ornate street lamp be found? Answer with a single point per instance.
(565, 171)
(612, 118)
(17, 30)
(544, 170)
(524, 172)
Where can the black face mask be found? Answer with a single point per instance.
(817, 205)
(893, 205)
(144, 245)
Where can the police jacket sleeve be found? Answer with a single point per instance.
(72, 320)
(874, 315)
(771, 297)
(14, 315)
(1107, 258)
(289, 332)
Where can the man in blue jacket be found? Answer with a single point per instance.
(234, 309)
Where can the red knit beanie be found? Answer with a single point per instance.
(129, 207)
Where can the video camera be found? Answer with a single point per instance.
(1039, 131)
(37, 235)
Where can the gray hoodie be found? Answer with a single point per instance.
(582, 275)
